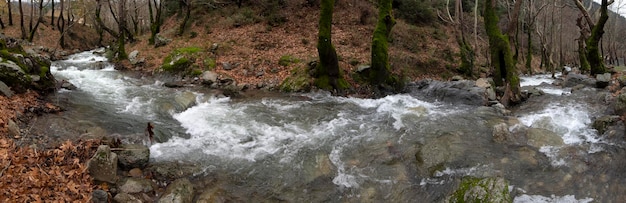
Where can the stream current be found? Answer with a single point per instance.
(316, 147)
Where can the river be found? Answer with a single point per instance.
(315, 147)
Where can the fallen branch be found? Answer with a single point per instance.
(5, 168)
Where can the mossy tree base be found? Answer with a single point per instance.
(327, 73)
(505, 73)
(379, 74)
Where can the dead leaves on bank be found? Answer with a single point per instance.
(52, 175)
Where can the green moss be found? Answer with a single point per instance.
(494, 195)
(180, 59)
(287, 60)
(44, 71)
(210, 63)
(298, 81)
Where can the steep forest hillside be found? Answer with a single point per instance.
(253, 35)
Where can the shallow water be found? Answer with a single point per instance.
(316, 147)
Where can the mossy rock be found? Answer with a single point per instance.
(180, 60)
(487, 190)
(17, 69)
(298, 81)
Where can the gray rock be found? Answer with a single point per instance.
(483, 82)
(620, 104)
(35, 78)
(227, 66)
(160, 41)
(133, 156)
(173, 170)
(179, 191)
(133, 58)
(136, 185)
(362, 68)
(103, 165)
(622, 80)
(474, 189)
(446, 148)
(456, 92)
(67, 85)
(491, 94)
(575, 79)
(532, 91)
(126, 198)
(577, 87)
(209, 77)
(501, 133)
(185, 100)
(5, 90)
(603, 80)
(14, 130)
(99, 196)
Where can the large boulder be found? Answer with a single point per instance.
(185, 100)
(103, 165)
(456, 92)
(179, 191)
(474, 189)
(575, 79)
(21, 70)
(133, 156)
(133, 58)
(619, 105)
(603, 80)
(180, 60)
(209, 78)
(160, 41)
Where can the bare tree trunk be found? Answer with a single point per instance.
(39, 20)
(9, 6)
(22, 20)
(61, 24)
(183, 25)
(52, 14)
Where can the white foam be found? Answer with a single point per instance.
(571, 121)
(553, 154)
(552, 199)
(86, 57)
(555, 91)
(536, 80)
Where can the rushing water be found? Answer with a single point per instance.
(316, 147)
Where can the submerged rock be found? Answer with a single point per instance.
(538, 137)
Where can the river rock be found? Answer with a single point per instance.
(5, 90)
(602, 124)
(133, 156)
(501, 133)
(573, 79)
(456, 92)
(185, 100)
(126, 198)
(103, 165)
(538, 137)
(483, 82)
(136, 185)
(179, 191)
(209, 77)
(474, 189)
(212, 195)
(173, 170)
(99, 196)
(603, 80)
(439, 151)
(620, 104)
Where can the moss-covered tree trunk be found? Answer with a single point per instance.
(529, 53)
(121, 38)
(593, 48)
(380, 73)
(505, 73)
(155, 19)
(327, 71)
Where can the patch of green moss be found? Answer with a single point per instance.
(210, 63)
(286, 60)
(180, 59)
(196, 72)
(487, 184)
(43, 71)
(298, 81)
